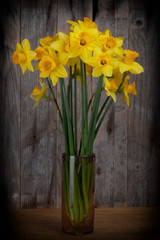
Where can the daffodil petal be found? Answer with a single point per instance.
(58, 45)
(118, 51)
(72, 62)
(26, 44)
(112, 94)
(23, 66)
(107, 70)
(19, 47)
(119, 41)
(125, 97)
(54, 78)
(96, 72)
(63, 58)
(36, 104)
(63, 36)
(31, 55)
(74, 51)
(123, 67)
(92, 61)
(97, 52)
(43, 75)
(30, 67)
(61, 72)
(84, 55)
(136, 68)
(52, 52)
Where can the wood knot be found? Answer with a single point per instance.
(99, 171)
(139, 23)
(109, 127)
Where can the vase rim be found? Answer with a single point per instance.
(80, 156)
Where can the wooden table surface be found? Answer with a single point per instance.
(110, 223)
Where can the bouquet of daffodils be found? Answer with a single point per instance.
(85, 50)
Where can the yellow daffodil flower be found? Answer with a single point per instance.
(60, 43)
(111, 87)
(128, 89)
(40, 52)
(98, 50)
(110, 44)
(103, 63)
(127, 63)
(82, 41)
(46, 41)
(23, 56)
(117, 76)
(112, 83)
(87, 23)
(38, 93)
(52, 65)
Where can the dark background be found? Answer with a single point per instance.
(151, 12)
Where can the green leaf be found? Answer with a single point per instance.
(92, 123)
(64, 122)
(75, 110)
(54, 99)
(82, 110)
(85, 105)
(70, 133)
(104, 114)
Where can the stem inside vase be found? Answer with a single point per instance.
(78, 193)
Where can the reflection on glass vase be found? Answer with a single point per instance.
(78, 193)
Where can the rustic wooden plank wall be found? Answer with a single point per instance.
(127, 147)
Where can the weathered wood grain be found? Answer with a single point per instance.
(113, 134)
(10, 105)
(104, 143)
(121, 116)
(138, 122)
(141, 165)
(38, 127)
(128, 143)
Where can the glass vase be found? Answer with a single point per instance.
(78, 193)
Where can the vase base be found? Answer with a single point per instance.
(78, 231)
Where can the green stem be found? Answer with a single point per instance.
(102, 108)
(93, 120)
(54, 99)
(64, 122)
(70, 133)
(83, 141)
(78, 197)
(66, 189)
(72, 190)
(71, 99)
(82, 110)
(84, 187)
(88, 107)
(85, 105)
(111, 101)
(90, 190)
(104, 114)
(75, 111)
